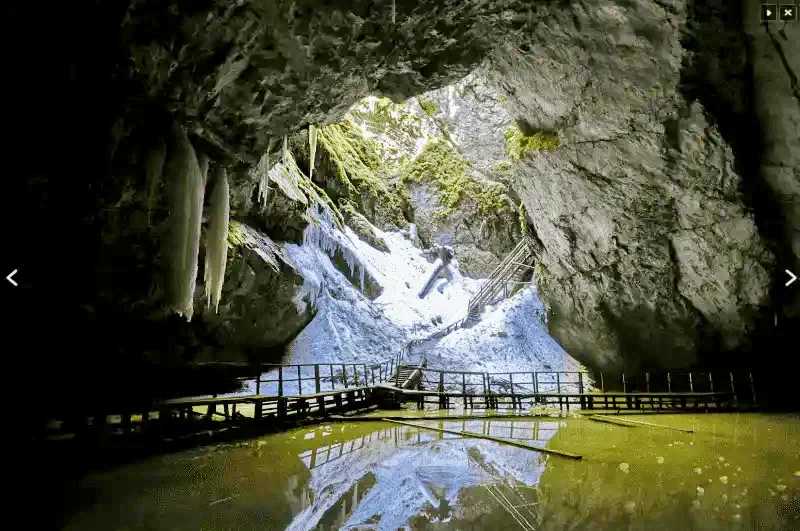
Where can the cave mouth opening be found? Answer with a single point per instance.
(456, 187)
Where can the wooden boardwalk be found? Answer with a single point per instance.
(317, 391)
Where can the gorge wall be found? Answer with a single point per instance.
(656, 211)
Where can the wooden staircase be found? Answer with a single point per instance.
(404, 377)
(517, 259)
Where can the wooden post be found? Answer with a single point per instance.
(580, 382)
(602, 384)
(317, 387)
(280, 380)
(333, 382)
(535, 376)
(558, 382)
(733, 388)
(669, 383)
(483, 378)
(711, 382)
(258, 382)
(624, 384)
(488, 383)
(753, 389)
(691, 384)
(299, 381)
(464, 385)
(647, 381)
(441, 382)
(344, 375)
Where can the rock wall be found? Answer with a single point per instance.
(652, 254)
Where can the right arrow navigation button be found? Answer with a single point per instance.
(792, 278)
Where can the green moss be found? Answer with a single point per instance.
(429, 107)
(360, 169)
(523, 220)
(518, 144)
(502, 167)
(441, 165)
(235, 234)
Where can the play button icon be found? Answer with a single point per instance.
(769, 12)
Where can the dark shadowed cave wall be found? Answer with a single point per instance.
(94, 85)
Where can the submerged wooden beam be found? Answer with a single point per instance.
(629, 422)
(500, 440)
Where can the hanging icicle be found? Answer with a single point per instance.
(154, 169)
(262, 170)
(312, 148)
(322, 234)
(186, 190)
(217, 241)
(394, 11)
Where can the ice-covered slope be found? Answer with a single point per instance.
(350, 328)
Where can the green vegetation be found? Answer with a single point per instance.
(502, 167)
(360, 170)
(518, 144)
(429, 107)
(235, 234)
(382, 115)
(445, 168)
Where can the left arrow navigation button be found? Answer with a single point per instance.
(8, 277)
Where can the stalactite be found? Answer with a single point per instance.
(312, 148)
(217, 240)
(262, 170)
(154, 169)
(186, 191)
(202, 161)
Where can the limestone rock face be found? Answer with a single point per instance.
(259, 307)
(650, 253)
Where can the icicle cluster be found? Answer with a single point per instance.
(312, 149)
(154, 168)
(217, 240)
(322, 234)
(187, 185)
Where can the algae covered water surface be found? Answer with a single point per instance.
(736, 471)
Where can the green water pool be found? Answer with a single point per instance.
(737, 471)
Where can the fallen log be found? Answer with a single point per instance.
(500, 440)
(632, 423)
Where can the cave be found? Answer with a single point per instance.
(362, 190)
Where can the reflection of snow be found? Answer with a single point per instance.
(414, 468)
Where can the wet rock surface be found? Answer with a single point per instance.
(651, 252)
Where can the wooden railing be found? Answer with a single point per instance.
(740, 384)
(499, 278)
(310, 378)
(505, 382)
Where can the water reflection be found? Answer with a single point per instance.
(734, 472)
(386, 478)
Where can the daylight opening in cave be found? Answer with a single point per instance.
(473, 264)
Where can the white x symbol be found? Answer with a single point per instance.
(787, 12)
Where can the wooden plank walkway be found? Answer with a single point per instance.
(355, 387)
